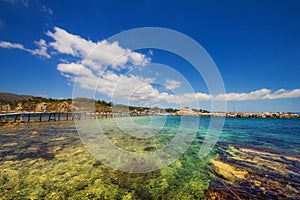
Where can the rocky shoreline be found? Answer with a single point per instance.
(254, 115)
(188, 112)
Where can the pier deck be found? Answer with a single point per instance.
(52, 116)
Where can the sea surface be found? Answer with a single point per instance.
(252, 159)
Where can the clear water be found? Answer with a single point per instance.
(48, 161)
(276, 134)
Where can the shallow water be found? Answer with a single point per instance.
(254, 158)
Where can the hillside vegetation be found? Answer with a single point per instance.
(26, 103)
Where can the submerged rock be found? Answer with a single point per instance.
(10, 144)
(149, 148)
(58, 139)
(227, 171)
(254, 173)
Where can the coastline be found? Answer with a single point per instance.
(32, 117)
(188, 112)
(252, 115)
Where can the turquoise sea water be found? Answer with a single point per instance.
(252, 159)
(276, 134)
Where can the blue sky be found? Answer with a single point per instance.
(255, 45)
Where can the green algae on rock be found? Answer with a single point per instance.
(44, 167)
(254, 173)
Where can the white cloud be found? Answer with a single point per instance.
(184, 98)
(170, 98)
(67, 43)
(261, 94)
(132, 87)
(75, 69)
(96, 55)
(41, 50)
(172, 84)
(91, 68)
(253, 95)
(203, 97)
(86, 82)
(283, 94)
(10, 45)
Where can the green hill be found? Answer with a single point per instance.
(9, 97)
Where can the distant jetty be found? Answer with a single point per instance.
(253, 115)
(188, 112)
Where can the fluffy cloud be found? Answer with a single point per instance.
(67, 43)
(172, 84)
(135, 88)
(96, 64)
(41, 50)
(75, 69)
(254, 95)
(96, 55)
(10, 45)
(283, 94)
(261, 94)
(131, 87)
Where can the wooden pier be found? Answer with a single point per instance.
(52, 116)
